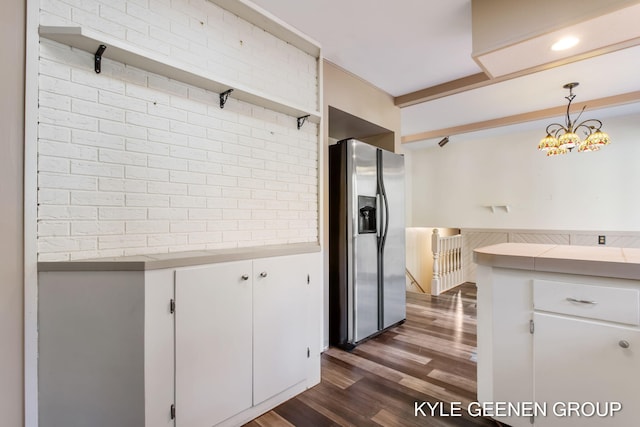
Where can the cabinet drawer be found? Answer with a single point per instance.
(595, 302)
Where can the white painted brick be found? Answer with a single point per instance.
(222, 158)
(262, 235)
(162, 162)
(86, 198)
(264, 195)
(147, 200)
(250, 183)
(205, 144)
(121, 185)
(167, 112)
(66, 150)
(192, 105)
(275, 185)
(144, 13)
(202, 120)
(53, 228)
(187, 202)
(143, 40)
(146, 227)
(236, 171)
(251, 204)
(251, 163)
(53, 164)
(205, 237)
(124, 73)
(187, 177)
(149, 147)
(68, 182)
(97, 139)
(66, 212)
(56, 8)
(137, 172)
(118, 242)
(167, 188)
(122, 213)
(222, 180)
(167, 240)
(188, 226)
(263, 154)
(204, 190)
(146, 94)
(122, 157)
(221, 203)
(168, 213)
(88, 78)
(222, 225)
(121, 101)
(118, 16)
(54, 133)
(49, 196)
(145, 120)
(205, 214)
(55, 101)
(167, 85)
(236, 214)
(145, 250)
(264, 214)
(164, 36)
(53, 257)
(236, 236)
(236, 193)
(251, 224)
(96, 228)
(79, 167)
(157, 135)
(66, 119)
(264, 175)
(187, 153)
(123, 130)
(66, 244)
(187, 129)
(67, 88)
(204, 167)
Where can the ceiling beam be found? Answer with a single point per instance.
(445, 89)
(609, 101)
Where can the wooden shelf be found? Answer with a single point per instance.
(117, 50)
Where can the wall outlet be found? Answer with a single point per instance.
(602, 240)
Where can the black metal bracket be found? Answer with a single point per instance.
(301, 120)
(98, 58)
(223, 97)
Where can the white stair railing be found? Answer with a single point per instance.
(448, 271)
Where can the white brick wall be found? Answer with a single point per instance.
(131, 162)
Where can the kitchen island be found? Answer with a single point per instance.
(559, 334)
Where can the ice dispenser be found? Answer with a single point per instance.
(367, 214)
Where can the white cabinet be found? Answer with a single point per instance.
(280, 343)
(213, 344)
(583, 361)
(213, 326)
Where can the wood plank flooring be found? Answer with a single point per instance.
(428, 358)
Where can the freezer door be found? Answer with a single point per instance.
(363, 282)
(393, 252)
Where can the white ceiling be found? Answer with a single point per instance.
(408, 45)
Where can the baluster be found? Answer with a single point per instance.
(435, 248)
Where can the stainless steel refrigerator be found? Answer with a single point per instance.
(366, 242)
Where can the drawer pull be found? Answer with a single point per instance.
(623, 343)
(581, 301)
(263, 274)
(245, 277)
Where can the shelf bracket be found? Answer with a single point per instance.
(98, 58)
(224, 96)
(301, 120)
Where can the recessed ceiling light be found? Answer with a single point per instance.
(565, 43)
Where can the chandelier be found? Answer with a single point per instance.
(561, 139)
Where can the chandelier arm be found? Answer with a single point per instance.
(555, 132)
(586, 125)
(570, 99)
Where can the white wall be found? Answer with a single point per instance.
(12, 56)
(131, 162)
(580, 191)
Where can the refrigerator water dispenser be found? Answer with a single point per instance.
(367, 217)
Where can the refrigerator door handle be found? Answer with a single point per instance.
(378, 215)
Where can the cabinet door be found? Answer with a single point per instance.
(280, 314)
(583, 361)
(213, 343)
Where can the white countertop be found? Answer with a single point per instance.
(587, 260)
(178, 259)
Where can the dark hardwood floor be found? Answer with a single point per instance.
(429, 358)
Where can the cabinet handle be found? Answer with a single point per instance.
(581, 301)
(263, 274)
(624, 343)
(245, 277)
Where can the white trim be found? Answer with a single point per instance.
(31, 215)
